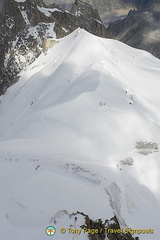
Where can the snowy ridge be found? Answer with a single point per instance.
(86, 110)
(20, 0)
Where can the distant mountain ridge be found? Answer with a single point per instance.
(141, 28)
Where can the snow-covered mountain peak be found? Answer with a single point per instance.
(25, 25)
(84, 114)
(84, 71)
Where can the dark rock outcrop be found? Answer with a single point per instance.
(106, 229)
(99, 230)
(18, 45)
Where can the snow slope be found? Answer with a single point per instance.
(80, 131)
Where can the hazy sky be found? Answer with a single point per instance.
(1, 6)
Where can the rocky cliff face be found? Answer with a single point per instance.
(81, 15)
(108, 10)
(141, 28)
(20, 37)
(25, 25)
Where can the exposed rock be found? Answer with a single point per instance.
(48, 43)
(109, 228)
(19, 45)
(127, 161)
(81, 15)
(146, 148)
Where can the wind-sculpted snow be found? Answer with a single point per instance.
(73, 132)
